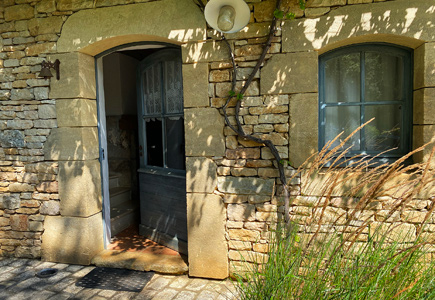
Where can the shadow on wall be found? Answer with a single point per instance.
(399, 18)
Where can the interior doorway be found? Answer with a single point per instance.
(141, 177)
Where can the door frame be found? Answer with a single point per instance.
(102, 130)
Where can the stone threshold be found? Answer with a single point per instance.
(142, 261)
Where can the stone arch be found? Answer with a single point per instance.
(399, 40)
(96, 30)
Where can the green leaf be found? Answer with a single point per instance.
(302, 4)
(297, 238)
(279, 14)
(239, 96)
(231, 93)
(290, 16)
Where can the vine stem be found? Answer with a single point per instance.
(239, 129)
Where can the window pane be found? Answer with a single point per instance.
(384, 132)
(173, 87)
(152, 90)
(154, 142)
(342, 79)
(343, 119)
(175, 143)
(383, 77)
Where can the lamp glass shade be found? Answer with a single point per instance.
(213, 8)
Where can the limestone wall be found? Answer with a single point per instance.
(233, 193)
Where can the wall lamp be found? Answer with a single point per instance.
(45, 69)
(227, 16)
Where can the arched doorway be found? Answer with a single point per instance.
(142, 145)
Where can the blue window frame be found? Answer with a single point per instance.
(361, 82)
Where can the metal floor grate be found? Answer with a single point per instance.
(115, 279)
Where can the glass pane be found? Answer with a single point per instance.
(384, 132)
(154, 142)
(173, 87)
(343, 119)
(383, 77)
(152, 90)
(175, 143)
(343, 78)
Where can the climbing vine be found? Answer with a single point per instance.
(277, 15)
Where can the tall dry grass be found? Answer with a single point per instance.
(364, 238)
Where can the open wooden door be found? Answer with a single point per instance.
(162, 175)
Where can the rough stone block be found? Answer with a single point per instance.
(241, 212)
(19, 12)
(51, 208)
(20, 222)
(46, 6)
(263, 11)
(10, 201)
(208, 254)
(12, 139)
(401, 233)
(247, 186)
(72, 240)
(252, 30)
(45, 25)
(303, 130)
(47, 111)
(66, 5)
(353, 24)
(37, 49)
(195, 88)
(201, 175)
(80, 188)
(77, 79)
(204, 132)
(76, 112)
(282, 74)
(72, 144)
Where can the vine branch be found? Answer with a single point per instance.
(239, 130)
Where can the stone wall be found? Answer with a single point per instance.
(232, 184)
(28, 180)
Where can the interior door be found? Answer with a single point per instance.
(162, 175)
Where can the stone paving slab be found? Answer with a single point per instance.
(18, 282)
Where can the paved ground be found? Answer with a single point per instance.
(18, 281)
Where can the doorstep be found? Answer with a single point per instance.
(142, 261)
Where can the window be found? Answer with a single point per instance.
(362, 82)
(161, 102)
